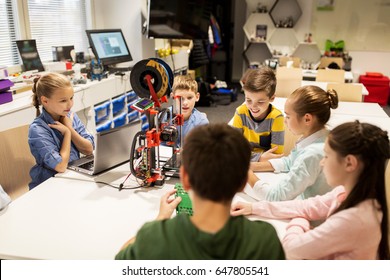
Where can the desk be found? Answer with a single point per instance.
(72, 217)
(65, 218)
(21, 112)
(310, 75)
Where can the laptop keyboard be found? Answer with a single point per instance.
(87, 165)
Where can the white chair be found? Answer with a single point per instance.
(330, 75)
(16, 161)
(284, 59)
(325, 61)
(287, 80)
(347, 92)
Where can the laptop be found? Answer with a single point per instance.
(112, 148)
(172, 166)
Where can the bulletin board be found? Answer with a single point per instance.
(363, 25)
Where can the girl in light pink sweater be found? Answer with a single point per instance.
(354, 214)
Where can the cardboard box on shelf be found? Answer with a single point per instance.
(182, 44)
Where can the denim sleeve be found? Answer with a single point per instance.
(44, 146)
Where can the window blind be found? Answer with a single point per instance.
(8, 50)
(57, 23)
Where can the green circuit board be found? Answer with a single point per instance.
(185, 205)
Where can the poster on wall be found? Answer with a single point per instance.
(325, 5)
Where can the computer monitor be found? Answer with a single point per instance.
(29, 54)
(109, 45)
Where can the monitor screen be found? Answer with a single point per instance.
(179, 19)
(109, 45)
(29, 54)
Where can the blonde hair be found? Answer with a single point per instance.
(184, 82)
(46, 85)
(316, 101)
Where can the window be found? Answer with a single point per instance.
(8, 51)
(57, 23)
(49, 22)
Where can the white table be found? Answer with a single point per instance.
(324, 85)
(72, 217)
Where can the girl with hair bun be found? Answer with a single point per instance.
(57, 135)
(307, 110)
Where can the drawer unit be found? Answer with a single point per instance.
(132, 116)
(102, 111)
(120, 119)
(104, 126)
(118, 104)
(131, 96)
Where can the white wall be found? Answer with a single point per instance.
(362, 61)
(126, 15)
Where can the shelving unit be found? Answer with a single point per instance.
(285, 13)
(257, 53)
(253, 20)
(308, 52)
(281, 38)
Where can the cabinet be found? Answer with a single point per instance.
(279, 19)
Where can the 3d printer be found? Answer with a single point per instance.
(152, 80)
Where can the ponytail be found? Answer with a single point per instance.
(35, 97)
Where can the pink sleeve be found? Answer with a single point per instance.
(314, 208)
(337, 234)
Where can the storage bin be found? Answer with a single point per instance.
(118, 104)
(145, 126)
(102, 111)
(131, 96)
(144, 119)
(120, 119)
(129, 109)
(104, 126)
(132, 116)
(377, 86)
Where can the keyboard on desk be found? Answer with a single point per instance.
(87, 165)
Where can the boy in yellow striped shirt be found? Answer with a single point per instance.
(261, 123)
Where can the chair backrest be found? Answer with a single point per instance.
(296, 61)
(325, 61)
(347, 91)
(330, 75)
(290, 140)
(16, 161)
(287, 80)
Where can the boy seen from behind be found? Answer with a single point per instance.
(187, 88)
(211, 233)
(259, 121)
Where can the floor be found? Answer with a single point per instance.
(223, 113)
